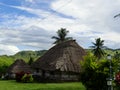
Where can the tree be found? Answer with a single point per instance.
(62, 36)
(117, 56)
(98, 48)
(94, 73)
(30, 61)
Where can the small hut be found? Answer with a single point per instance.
(18, 66)
(61, 62)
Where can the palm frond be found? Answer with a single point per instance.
(54, 37)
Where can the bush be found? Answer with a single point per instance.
(117, 81)
(27, 78)
(95, 73)
(24, 77)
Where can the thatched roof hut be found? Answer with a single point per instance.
(18, 66)
(64, 57)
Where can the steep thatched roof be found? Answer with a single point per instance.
(18, 66)
(64, 57)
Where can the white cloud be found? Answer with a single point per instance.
(90, 20)
(37, 12)
(34, 37)
(8, 49)
(93, 16)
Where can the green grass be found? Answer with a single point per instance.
(12, 85)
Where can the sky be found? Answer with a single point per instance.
(30, 24)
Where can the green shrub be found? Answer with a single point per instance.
(95, 73)
(27, 78)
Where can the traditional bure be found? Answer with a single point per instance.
(61, 62)
(18, 66)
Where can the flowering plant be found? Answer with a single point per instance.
(24, 77)
(117, 78)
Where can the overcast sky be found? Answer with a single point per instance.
(30, 24)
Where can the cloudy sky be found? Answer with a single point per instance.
(30, 24)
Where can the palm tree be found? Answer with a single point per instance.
(62, 33)
(98, 48)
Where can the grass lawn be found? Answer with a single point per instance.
(13, 85)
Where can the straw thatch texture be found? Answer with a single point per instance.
(18, 66)
(64, 57)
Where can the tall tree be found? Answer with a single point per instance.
(117, 56)
(61, 36)
(98, 48)
(30, 61)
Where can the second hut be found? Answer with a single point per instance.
(18, 66)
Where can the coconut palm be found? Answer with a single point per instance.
(98, 48)
(62, 33)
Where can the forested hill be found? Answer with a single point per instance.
(25, 55)
(6, 61)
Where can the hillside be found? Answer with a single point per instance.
(25, 55)
(6, 61)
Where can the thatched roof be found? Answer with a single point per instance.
(18, 66)
(64, 57)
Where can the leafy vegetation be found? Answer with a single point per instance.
(30, 61)
(27, 78)
(12, 85)
(25, 55)
(5, 61)
(96, 72)
(24, 77)
(117, 56)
